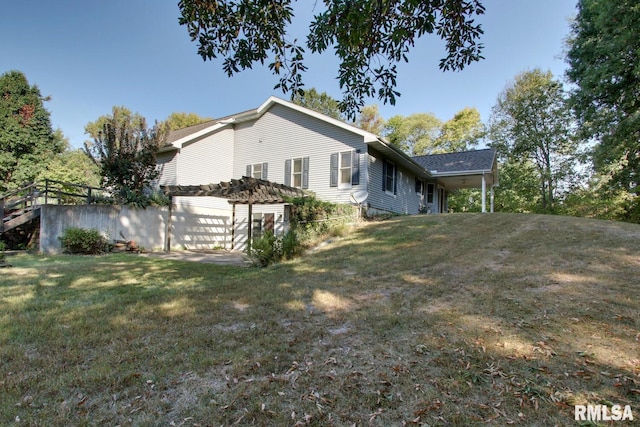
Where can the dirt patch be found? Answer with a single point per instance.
(205, 256)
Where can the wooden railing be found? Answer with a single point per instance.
(22, 204)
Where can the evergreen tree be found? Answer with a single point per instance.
(27, 141)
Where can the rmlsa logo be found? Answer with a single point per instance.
(603, 413)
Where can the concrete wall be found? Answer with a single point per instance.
(147, 227)
(192, 227)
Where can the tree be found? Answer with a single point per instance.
(604, 59)
(27, 141)
(414, 134)
(370, 119)
(181, 120)
(532, 124)
(460, 133)
(369, 37)
(320, 102)
(125, 152)
(72, 166)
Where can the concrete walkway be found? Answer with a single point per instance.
(207, 256)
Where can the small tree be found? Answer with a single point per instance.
(125, 151)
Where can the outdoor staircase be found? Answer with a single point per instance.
(19, 207)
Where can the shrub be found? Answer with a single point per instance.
(3, 247)
(84, 241)
(266, 249)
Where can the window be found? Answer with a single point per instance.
(419, 186)
(389, 177)
(430, 190)
(257, 170)
(296, 172)
(345, 169)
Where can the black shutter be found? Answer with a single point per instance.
(355, 170)
(287, 172)
(264, 170)
(333, 179)
(384, 175)
(305, 172)
(248, 170)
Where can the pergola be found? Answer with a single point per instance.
(244, 191)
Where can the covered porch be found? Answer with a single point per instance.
(467, 169)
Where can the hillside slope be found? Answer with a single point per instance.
(462, 319)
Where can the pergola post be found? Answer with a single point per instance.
(167, 244)
(233, 227)
(249, 221)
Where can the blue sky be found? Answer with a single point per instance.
(89, 56)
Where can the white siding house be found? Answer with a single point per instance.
(288, 144)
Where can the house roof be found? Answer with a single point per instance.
(465, 169)
(461, 162)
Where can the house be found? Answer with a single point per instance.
(288, 144)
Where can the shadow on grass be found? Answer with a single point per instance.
(452, 320)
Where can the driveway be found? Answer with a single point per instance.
(207, 256)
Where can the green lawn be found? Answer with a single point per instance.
(462, 319)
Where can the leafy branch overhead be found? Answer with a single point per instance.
(370, 37)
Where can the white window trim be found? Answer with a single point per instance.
(344, 185)
(253, 170)
(293, 173)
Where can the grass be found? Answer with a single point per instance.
(458, 319)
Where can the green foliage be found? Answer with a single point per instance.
(415, 134)
(423, 133)
(84, 241)
(182, 120)
(27, 141)
(369, 37)
(465, 200)
(72, 167)
(320, 102)
(3, 247)
(125, 152)
(461, 133)
(315, 219)
(603, 58)
(531, 124)
(370, 119)
(266, 249)
(311, 220)
(269, 248)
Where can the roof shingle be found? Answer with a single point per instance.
(465, 161)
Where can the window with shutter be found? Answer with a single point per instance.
(257, 170)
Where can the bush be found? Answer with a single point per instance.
(3, 247)
(84, 241)
(269, 248)
(266, 249)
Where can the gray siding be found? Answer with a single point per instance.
(282, 133)
(405, 201)
(167, 166)
(207, 160)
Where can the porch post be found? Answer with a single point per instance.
(484, 194)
